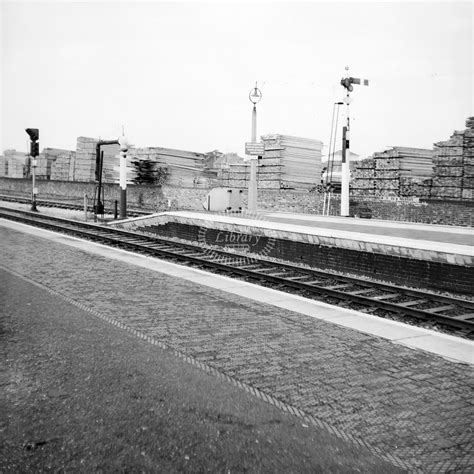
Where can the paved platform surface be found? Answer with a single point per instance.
(411, 408)
(81, 395)
(410, 230)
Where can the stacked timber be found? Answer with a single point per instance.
(184, 168)
(15, 164)
(111, 162)
(453, 170)
(363, 177)
(237, 175)
(297, 159)
(63, 167)
(387, 174)
(47, 162)
(85, 159)
(468, 161)
(415, 187)
(393, 173)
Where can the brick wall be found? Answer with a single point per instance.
(394, 269)
(156, 198)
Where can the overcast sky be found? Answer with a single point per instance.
(178, 74)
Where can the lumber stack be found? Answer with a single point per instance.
(287, 163)
(396, 172)
(299, 160)
(237, 175)
(468, 161)
(15, 164)
(84, 169)
(47, 164)
(453, 164)
(63, 167)
(110, 162)
(415, 187)
(185, 168)
(84, 161)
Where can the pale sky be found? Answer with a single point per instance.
(178, 74)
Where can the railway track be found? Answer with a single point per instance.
(373, 297)
(66, 205)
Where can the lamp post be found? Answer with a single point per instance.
(255, 96)
(123, 142)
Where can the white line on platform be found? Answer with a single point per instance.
(375, 223)
(450, 347)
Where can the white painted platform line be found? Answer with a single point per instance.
(376, 223)
(450, 347)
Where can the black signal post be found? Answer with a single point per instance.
(33, 133)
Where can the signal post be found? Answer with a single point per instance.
(347, 82)
(33, 133)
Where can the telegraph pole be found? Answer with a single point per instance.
(347, 82)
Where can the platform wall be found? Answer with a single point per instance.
(190, 198)
(432, 275)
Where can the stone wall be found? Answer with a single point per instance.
(190, 198)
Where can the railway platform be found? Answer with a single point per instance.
(434, 256)
(401, 394)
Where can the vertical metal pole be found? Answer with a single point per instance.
(123, 184)
(254, 124)
(252, 192)
(33, 196)
(345, 169)
(99, 179)
(85, 206)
